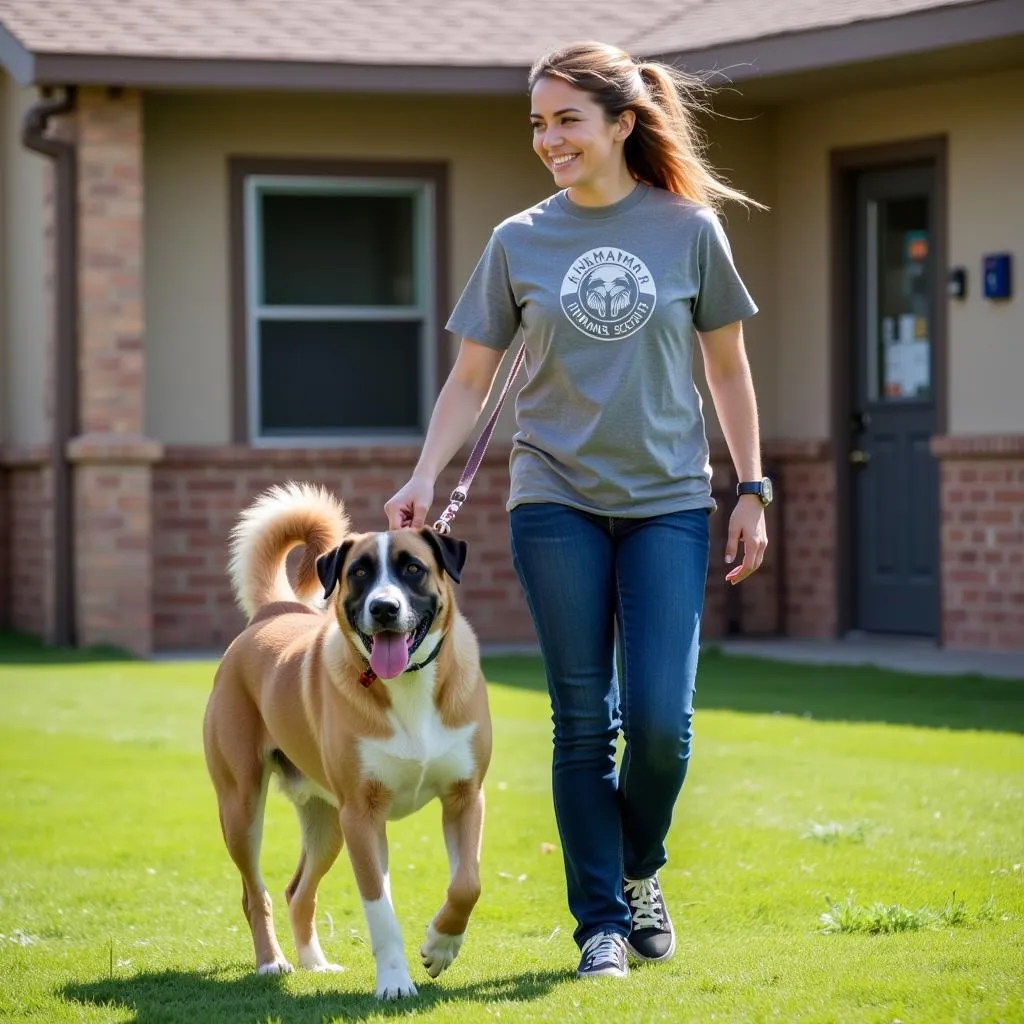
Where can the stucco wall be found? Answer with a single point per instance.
(23, 318)
(983, 119)
(740, 148)
(188, 142)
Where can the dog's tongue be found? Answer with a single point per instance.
(390, 655)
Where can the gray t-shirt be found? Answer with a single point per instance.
(609, 419)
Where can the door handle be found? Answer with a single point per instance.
(859, 457)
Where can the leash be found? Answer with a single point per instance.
(476, 456)
(459, 495)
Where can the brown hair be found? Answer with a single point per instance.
(666, 147)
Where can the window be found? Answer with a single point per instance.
(340, 308)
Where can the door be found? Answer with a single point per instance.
(894, 478)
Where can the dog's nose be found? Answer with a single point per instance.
(384, 609)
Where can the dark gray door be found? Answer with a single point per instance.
(895, 487)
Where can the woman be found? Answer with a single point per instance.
(608, 280)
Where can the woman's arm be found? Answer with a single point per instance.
(456, 412)
(732, 391)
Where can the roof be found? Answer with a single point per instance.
(248, 42)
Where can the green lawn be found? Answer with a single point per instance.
(890, 804)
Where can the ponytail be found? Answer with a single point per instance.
(666, 147)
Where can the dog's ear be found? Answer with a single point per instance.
(328, 567)
(451, 553)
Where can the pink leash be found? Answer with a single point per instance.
(476, 456)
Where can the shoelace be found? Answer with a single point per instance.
(645, 899)
(602, 946)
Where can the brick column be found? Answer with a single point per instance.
(982, 509)
(26, 569)
(113, 540)
(807, 503)
(112, 457)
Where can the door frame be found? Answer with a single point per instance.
(844, 166)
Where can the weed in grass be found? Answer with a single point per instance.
(882, 919)
(833, 832)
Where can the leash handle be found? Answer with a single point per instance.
(476, 456)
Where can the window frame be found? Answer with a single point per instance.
(427, 184)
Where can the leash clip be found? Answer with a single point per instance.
(444, 523)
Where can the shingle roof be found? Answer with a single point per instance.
(458, 45)
(431, 32)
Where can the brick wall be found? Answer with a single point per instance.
(753, 607)
(153, 531)
(982, 500)
(113, 538)
(25, 568)
(806, 485)
(198, 493)
(5, 550)
(110, 149)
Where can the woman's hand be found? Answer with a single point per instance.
(410, 505)
(746, 524)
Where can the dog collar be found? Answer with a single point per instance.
(368, 677)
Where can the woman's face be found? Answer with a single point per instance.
(573, 138)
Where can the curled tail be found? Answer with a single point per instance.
(277, 521)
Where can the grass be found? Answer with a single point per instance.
(848, 848)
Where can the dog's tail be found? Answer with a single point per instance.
(277, 521)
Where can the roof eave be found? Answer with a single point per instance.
(858, 42)
(18, 61)
(274, 75)
(757, 58)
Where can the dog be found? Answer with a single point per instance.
(366, 705)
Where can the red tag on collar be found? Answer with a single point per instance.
(368, 676)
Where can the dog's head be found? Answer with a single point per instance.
(394, 593)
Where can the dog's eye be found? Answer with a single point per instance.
(412, 569)
(359, 572)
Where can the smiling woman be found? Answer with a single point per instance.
(611, 280)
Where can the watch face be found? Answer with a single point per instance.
(766, 490)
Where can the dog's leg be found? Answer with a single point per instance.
(367, 849)
(241, 818)
(321, 844)
(462, 819)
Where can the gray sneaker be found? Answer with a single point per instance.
(651, 936)
(603, 956)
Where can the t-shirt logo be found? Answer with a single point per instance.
(608, 293)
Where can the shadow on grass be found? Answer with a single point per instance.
(19, 649)
(191, 996)
(840, 693)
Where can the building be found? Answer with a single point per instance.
(172, 181)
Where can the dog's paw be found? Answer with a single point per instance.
(326, 968)
(275, 967)
(394, 983)
(439, 950)
(314, 960)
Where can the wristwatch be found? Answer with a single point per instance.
(762, 488)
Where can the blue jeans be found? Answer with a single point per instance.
(587, 577)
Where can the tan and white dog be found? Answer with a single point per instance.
(366, 708)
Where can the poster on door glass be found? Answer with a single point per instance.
(906, 366)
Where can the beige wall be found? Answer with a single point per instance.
(493, 173)
(983, 119)
(741, 148)
(23, 318)
(188, 142)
